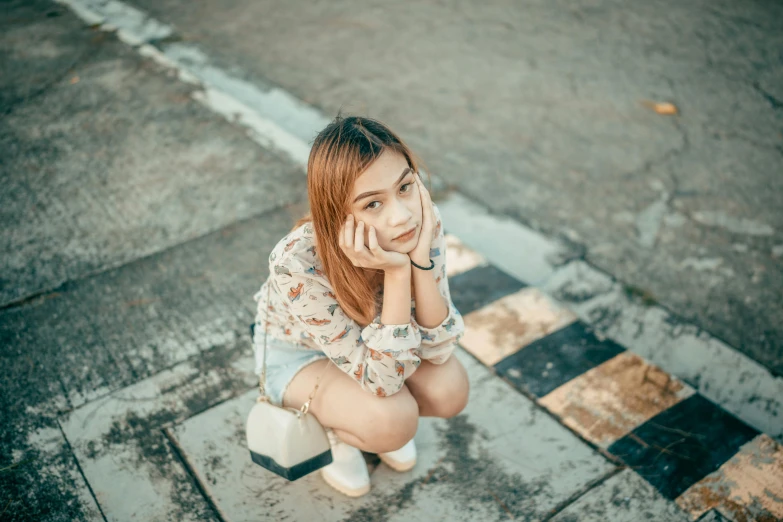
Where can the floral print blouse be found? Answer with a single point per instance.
(303, 313)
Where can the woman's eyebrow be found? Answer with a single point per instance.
(374, 192)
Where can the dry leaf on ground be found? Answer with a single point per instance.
(661, 107)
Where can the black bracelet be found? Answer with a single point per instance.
(432, 265)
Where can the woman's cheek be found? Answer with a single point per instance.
(415, 206)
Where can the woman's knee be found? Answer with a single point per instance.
(455, 403)
(392, 421)
(449, 400)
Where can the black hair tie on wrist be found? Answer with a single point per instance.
(432, 265)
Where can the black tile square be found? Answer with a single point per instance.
(480, 286)
(555, 359)
(680, 446)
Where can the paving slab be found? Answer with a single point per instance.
(42, 480)
(108, 158)
(749, 486)
(608, 401)
(681, 445)
(502, 457)
(625, 497)
(491, 333)
(122, 446)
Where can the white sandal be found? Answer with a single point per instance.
(348, 472)
(402, 459)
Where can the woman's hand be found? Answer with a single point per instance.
(371, 256)
(421, 252)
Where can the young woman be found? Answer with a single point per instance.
(360, 282)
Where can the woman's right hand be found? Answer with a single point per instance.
(370, 256)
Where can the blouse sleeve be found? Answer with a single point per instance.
(439, 342)
(379, 357)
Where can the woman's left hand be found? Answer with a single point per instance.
(421, 252)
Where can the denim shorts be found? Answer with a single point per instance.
(283, 361)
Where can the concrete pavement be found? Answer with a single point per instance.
(137, 221)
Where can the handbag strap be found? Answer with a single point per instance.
(262, 379)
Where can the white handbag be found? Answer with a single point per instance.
(286, 441)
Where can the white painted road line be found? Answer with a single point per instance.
(271, 103)
(268, 115)
(133, 26)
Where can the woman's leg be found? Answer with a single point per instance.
(441, 390)
(370, 423)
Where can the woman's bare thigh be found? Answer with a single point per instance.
(340, 403)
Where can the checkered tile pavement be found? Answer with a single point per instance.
(692, 451)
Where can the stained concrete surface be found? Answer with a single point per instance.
(103, 333)
(473, 467)
(123, 444)
(106, 158)
(125, 170)
(625, 497)
(501, 458)
(537, 110)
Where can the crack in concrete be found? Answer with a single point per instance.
(773, 102)
(81, 471)
(651, 163)
(649, 221)
(85, 55)
(36, 297)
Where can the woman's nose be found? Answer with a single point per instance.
(400, 214)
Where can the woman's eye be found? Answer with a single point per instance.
(404, 188)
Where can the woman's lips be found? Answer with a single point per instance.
(407, 236)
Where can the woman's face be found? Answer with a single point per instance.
(386, 197)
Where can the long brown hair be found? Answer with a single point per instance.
(341, 153)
